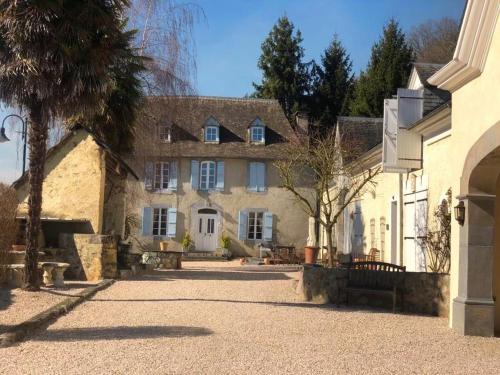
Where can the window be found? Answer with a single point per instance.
(257, 134)
(212, 134)
(160, 221)
(162, 174)
(164, 133)
(255, 225)
(207, 175)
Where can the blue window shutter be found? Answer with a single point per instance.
(261, 176)
(268, 226)
(147, 221)
(172, 184)
(242, 225)
(218, 131)
(195, 174)
(149, 171)
(219, 184)
(171, 222)
(252, 176)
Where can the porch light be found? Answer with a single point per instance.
(460, 212)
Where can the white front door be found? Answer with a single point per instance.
(206, 232)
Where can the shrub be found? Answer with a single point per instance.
(8, 223)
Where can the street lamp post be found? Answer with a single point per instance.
(24, 136)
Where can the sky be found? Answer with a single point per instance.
(229, 36)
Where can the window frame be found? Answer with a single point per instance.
(255, 128)
(162, 181)
(165, 130)
(216, 134)
(205, 185)
(252, 232)
(160, 216)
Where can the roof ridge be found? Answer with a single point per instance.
(222, 98)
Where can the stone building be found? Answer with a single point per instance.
(202, 166)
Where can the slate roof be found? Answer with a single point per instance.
(433, 97)
(365, 132)
(187, 115)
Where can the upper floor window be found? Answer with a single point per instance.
(257, 131)
(207, 175)
(211, 130)
(212, 134)
(164, 133)
(162, 175)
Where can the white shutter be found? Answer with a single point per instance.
(409, 144)
(171, 222)
(195, 174)
(219, 184)
(242, 225)
(409, 233)
(149, 175)
(172, 183)
(261, 177)
(147, 221)
(268, 226)
(389, 139)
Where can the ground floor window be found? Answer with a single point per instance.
(255, 225)
(160, 221)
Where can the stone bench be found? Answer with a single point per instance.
(49, 269)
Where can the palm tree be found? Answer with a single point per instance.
(55, 60)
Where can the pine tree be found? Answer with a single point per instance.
(284, 75)
(332, 85)
(388, 70)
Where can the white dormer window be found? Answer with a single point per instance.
(257, 131)
(164, 133)
(211, 134)
(211, 130)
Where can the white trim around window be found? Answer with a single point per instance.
(257, 134)
(207, 175)
(161, 176)
(211, 133)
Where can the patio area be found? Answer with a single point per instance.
(214, 318)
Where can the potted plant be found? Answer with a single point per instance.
(186, 242)
(163, 245)
(225, 242)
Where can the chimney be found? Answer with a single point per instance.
(302, 123)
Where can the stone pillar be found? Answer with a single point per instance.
(474, 308)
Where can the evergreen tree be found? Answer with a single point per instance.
(332, 85)
(388, 70)
(284, 75)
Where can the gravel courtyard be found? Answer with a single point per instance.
(220, 318)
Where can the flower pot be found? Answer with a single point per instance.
(267, 261)
(311, 254)
(163, 246)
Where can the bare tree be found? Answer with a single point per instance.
(165, 36)
(434, 41)
(325, 175)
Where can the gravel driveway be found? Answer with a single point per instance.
(220, 318)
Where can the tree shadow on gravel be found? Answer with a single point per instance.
(5, 298)
(121, 333)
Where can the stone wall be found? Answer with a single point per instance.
(91, 257)
(425, 293)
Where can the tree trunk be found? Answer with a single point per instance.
(37, 138)
(329, 245)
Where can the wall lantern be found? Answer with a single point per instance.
(460, 213)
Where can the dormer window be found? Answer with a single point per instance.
(257, 131)
(211, 131)
(164, 133)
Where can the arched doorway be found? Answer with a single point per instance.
(476, 310)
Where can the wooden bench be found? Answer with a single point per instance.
(376, 278)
